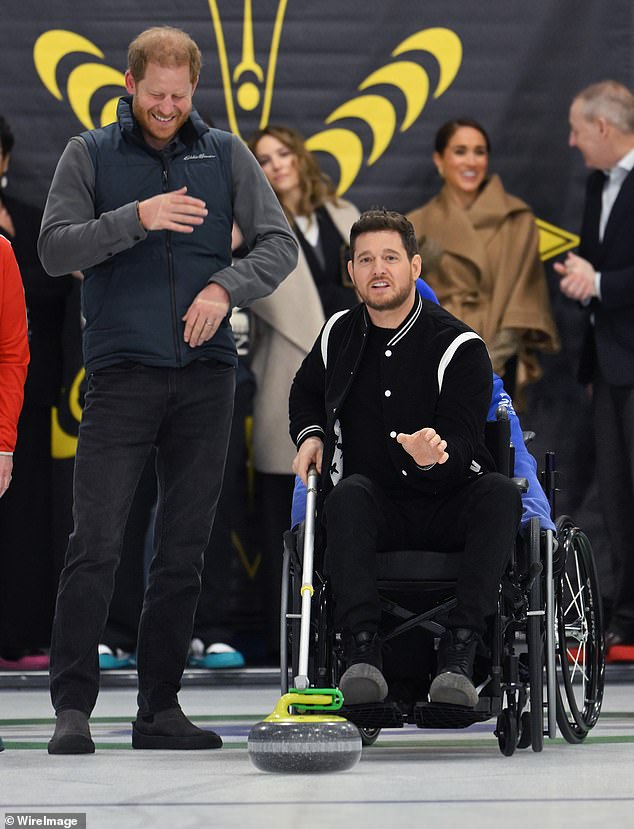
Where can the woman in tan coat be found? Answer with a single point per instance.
(480, 255)
(286, 324)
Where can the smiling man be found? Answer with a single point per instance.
(145, 208)
(391, 405)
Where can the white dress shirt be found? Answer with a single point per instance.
(615, 178)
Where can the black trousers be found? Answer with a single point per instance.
(478, 521)
(274, 495)
(27, 573)
(129, 409)
(613, 415)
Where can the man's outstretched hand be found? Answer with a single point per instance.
(425, 446)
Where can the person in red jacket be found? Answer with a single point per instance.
(14, 357)
(14, 360)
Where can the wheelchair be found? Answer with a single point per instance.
(544, 661)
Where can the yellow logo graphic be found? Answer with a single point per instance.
(64, 445)
(243, 85)
(378, 111)
(250, 86)
(554, 241)
(83, 81)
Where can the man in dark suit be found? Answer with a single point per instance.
(601, 277)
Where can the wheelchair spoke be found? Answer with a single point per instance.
(576, 598)
(573, 658)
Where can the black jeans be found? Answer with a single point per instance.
(129, 408)
(478, 521)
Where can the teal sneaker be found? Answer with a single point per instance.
(217, 655)
(110, 660)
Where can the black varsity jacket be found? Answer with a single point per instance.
(435, 371)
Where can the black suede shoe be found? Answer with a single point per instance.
(72, 734)
(363, 681)
(456, 654)
(171, 729)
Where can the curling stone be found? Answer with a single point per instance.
(300, 743)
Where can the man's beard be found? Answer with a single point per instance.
(152, 127)
(389, 303)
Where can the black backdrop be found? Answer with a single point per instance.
(512, 65)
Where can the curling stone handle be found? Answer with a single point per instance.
(306, 589)
(281, 710)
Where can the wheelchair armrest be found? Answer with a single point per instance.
(521, 484)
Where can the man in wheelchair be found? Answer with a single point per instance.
(391, 405)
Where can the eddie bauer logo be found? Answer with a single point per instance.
(197, 157)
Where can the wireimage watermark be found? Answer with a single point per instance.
(69, 820)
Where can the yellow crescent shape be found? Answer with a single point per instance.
(345, 146)
(63, 445)
(51, 47)
(376, 111)
(411, 79)
(444, 45)
(84, 81)
(73, 397)
(109, 112)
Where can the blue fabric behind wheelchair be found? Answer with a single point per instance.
(534, 500)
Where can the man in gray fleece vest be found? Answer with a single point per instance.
(144, 207)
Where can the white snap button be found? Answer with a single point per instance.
(392, 434)
(388, 353)
(404, 472)
(388, 393)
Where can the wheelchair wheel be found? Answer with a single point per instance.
(535, 643)
(525, 738)
(580, 650)
(506, 732)
(369, 736)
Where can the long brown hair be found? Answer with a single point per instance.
(316, 187)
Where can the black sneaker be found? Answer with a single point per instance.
(363, 681)
(456, 654)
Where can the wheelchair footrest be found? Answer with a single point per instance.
(374, 715)
(437, 715)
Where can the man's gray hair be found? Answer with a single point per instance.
(610, 100)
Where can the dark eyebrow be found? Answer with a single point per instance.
(384, 251)
(464, 147)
